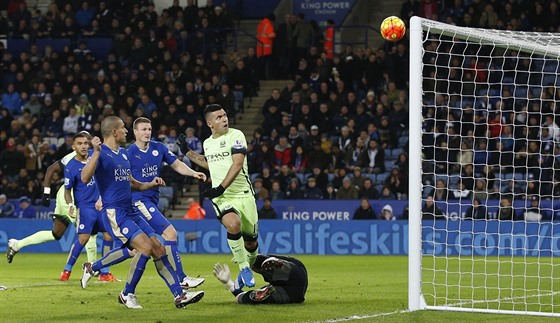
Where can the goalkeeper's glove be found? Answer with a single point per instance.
(222, 273)
(214, 192)
(46, 200)
(183, 144)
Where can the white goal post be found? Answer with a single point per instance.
(484, 188)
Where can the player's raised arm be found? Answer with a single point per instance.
(53, 168)
(184, 169)
(89, 169)
(135, 185)
(196, 158)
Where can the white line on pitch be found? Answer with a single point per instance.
(362, 317)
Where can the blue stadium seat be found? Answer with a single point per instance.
(395, 152)
(381, 177)
(403, 141)
(389, 164)
(520, 91)
(165, 198)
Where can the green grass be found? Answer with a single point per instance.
(364, 287)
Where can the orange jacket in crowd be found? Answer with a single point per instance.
(265, 35)
(195, 212)
(329, 41)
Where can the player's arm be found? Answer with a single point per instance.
(235, 168)
(144, 186)
(89, 168)
(197, 158)
(184, 169)
(53, 168)
(69, 201)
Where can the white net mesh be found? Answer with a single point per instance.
(491, 171)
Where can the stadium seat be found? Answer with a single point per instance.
(165, 198)
(520, 91)
(381, 177)
(403, 141)
(389, 164)
(395, 153)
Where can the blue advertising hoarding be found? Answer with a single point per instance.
(374, 237)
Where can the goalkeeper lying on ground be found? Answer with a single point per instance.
(287, 278)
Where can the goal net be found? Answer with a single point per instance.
(485, 170)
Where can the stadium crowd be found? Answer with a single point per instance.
(339, 127)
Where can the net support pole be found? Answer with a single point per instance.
(415, 298)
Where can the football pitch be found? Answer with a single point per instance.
(341, 289)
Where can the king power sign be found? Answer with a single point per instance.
(321, 11)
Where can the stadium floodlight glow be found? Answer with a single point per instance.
(484, 132)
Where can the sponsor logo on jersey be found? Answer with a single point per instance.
(149, 170)
(217, 156)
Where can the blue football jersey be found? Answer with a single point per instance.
(84, 194)
(112, 176)
(146, 164)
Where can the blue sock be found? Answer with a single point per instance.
(114, 257)
(77, 248)
(137, 267)
(106, 247)
(166, 272)
(175, 258)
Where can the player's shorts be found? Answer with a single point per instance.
(153, 215)
(125, 224)
(245, 207)
(89, 221)
(62, 209)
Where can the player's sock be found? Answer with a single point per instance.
(165, 271)
(106, 247)
(36, 238)
(114, 257)
(235, 243)
(74, 254)
(252, 255)
(135, 272)
(91, 248)
(175, 258)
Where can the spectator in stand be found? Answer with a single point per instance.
(387, 213)
(431, 211)
(476, 211)
(367, 190)
(387, 194)
(285, 175)
(276, 192)
(397, 182)
(347, 191)
(25, 210)
(282, 152)
(260, 191)
(267, 212)
(330, 192)
(298, 161)
(312, 191)
(373, 158)
(364, 211)
(506, 211)
(294, 192)
(11, 100)
(11, 160)
(7, 209)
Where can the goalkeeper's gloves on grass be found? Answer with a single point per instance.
(222, 273)
(214, 192)
(183, 144)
